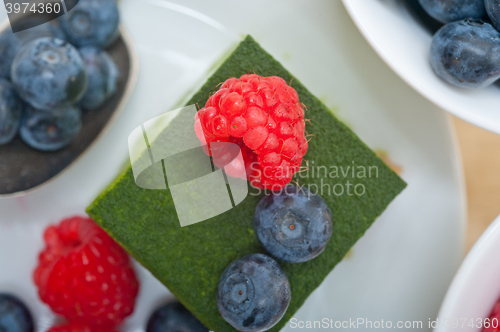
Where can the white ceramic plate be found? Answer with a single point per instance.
(404, 44)
(398, 271)
(476, 287)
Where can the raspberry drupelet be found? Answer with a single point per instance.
(263, 115)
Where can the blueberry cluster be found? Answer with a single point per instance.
(466, 50)
(294, 226)
(49, 73)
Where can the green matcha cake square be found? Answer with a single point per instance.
(189, 260)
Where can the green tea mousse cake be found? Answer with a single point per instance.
(354, 182)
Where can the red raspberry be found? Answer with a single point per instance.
(84, 275)
(264, 117)
(494, 321)
(79, 327)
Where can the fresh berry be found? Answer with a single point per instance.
(14, 316)
(92, 23)
(265, 115)
(253, 293)
(293, 225)
(493, 10)
(9, 47)
(10, 43)
(50, 130)
(49, 73)
(102, 74)
(467, 54)
(84, 275)
(493, 324)
(40, 31)
(447, 11)
(174, 317)
(11, 108)
(79, 327)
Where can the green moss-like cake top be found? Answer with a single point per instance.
(190, 260)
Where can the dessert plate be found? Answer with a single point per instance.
(23, 169)
(395, 30)
(398, 271)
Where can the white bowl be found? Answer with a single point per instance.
(404, 43)
(476, 287)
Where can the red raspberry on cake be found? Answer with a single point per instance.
(84, 275)
(79, 327)
(263, 115)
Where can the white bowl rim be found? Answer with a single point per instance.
(463, 114)
(469, 266)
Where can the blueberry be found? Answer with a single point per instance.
(467, 53)
(92, 23)
(49, 73)
(102, 75)
(253, 293)
(40, 31)
(11, 107)
(50, 130)
(14, 316)
(493, 10)
(174, 317)
(9, 47)
(11, 43)
(293, 225)
(447, 11)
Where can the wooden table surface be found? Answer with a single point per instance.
(481, 161)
